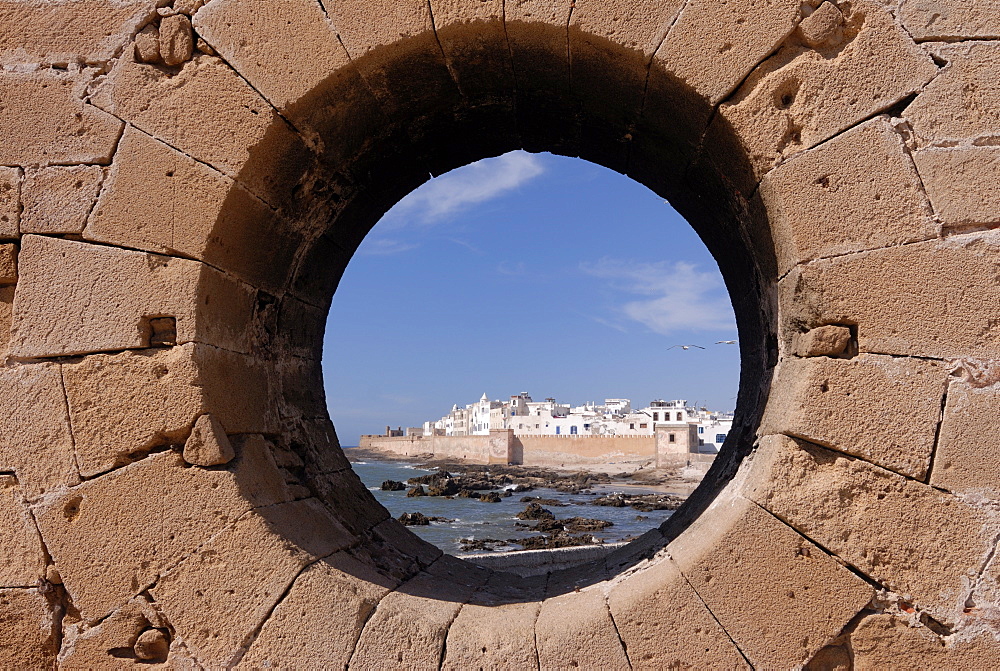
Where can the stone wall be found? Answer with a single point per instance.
(182, 186)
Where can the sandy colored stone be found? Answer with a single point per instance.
(576, 630)
(109, 536)
(208, 112)
(967, 458)
(827, 340)
(824, 27)
(217, 598)
(944, 19)
(10, 202)
(208, 445)
(831, 658)
(962, 184)
(885, 641)
(917, 541)
(713, 46)
(858, 191)
(6, 318)
(24, 557)
(743, 562)
(913, 300)
(147, 45)
(843, 403)
(160, 200)
(87, 646)
(106, 296)
(365, 25)
(410, 625)
(168, 390)
(35, 439)
(634, 25)
(8, 264)
(57, 200)
(152, 646)
(44, 110)
(803, 96)
(176, 40)
(963, 101)
(28, 630)
(319, 621)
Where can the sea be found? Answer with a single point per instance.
(480, 520)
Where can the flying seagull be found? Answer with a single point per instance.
(687, 346)
(725, 342)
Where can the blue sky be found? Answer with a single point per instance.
(526, 272)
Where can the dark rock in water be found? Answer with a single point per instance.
(613, 500)
(507, 494)
(416, 491)
(467, 494)
(640, 518)
(448, 487)
(487, 544)
(644, 503)
(490, 497)
(576, 525)
(535, 511)
(430, 478)
(522, 488)
(544, 502)
(392, 486)
(420, 520)
(560, 541)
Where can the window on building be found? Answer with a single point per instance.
(656, 416)
(720, 437)
(557, 430)
(631, 426)
(586, 426)
(642, 426)
(536, 426)
(701, 429)
(701, 441)
(572, 429)
(680, 417)
(673, 438)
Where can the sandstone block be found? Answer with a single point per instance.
(28, 630)
(109, 537)
(949, 19)
(35, 439)
(963, 101)
(260, 556)
(152, 646)
(967, 458)
(882, 641)
(321, 618)
(663, 622)
(843, 403)
(919, 542)
(208, 112)
(57, 200)
(802, 96)
(24, 557)
(737, 554)
(824, 27)
(88, 646)
(6, 317)
(858, 191)
(45, 111)
(905, 300)
(962, 184)
(10, 202)
(8, 264)
(576, 631)
(176, 40)
(147, 45)
(208, 445)
(471, 34)
(714, 46)
(823, 341)
(158, 396)
(105, 297)
(391, 533)
(85, 31)
(492, 632)
(634, 25)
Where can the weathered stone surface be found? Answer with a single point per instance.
(576, 630)
(638, 25)
(827, 340)
(320, 620)
(802, 96)
(166, 390)
(147, 45)
(106, 296)
(87, 646)
(58, 200)
(28, 630)
(6, 317)
(209, 113)
(152, 646)
(886, 641)
(947, 19)
(962, 184)
(738, 554)
(44, 110)
(824, 27)
(24, 557)
(176, 40)
(663, 622)
(919, 542)
(110, 531)
(842, 403)
(967, 458)
(10, 202)
(858, 191)
(8, 264)
(908, 300)
(217, 598)
(61, 33)
(208, 445)
(35, 439)
(963, 102)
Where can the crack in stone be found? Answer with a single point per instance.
(513, 70)
(618, 633)
(937, 431)
(444, 56)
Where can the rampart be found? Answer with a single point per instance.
(182, 185)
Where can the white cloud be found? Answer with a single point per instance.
(680, 297)
(459, 189)
(385, 247)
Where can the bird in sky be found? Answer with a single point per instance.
(725, 342)
(686, 346)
